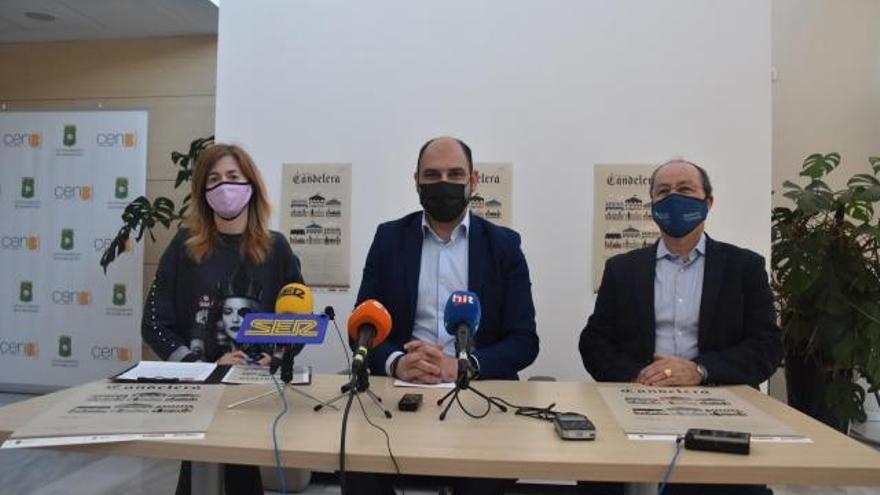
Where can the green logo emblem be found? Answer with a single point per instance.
(119, 294)
(65, 348)
(69, 135)
(67, 239)
(27, 187)
(121, 191)
(26, 291)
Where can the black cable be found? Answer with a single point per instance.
(387, 439)
(278, 470)
(542, 413)
(678, 444)
(342, 485)
(475, 416)
(345, 348)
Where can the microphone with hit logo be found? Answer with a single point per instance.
(462, 319)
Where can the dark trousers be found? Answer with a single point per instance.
(602, 488)
(380, 484)
(237, 479)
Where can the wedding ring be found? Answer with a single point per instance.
(667, 372)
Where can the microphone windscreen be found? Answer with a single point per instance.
(295, 299)
(370, 312)
(462, 307)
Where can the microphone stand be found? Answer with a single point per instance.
(286, 372)
(463, 382)
(360, 383)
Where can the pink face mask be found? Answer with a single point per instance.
(228, 199)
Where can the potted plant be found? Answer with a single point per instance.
(826, 275)
(142, 215)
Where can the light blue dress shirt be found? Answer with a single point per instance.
(678, 290)
(443, 270)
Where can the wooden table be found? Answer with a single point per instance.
(501, 445)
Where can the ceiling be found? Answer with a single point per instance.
(105, 19)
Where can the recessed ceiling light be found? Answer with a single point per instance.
(40, 16)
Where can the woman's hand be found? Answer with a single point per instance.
(232, 358)
(264, 360)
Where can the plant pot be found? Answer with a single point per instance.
(807, 386)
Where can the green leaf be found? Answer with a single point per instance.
(141, 216)
(817, 165)
(871, 195)
(818, 185)
(875, 163)
(864, 180)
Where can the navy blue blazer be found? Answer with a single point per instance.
(507, 340)
(738, 339)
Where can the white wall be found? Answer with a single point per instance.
(827, 94)
(553, 86)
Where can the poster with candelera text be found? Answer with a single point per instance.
(493, 197)
(621, 213)
(640, 409)
(316, 220)
(103, 408)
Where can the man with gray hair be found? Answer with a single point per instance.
(685, 311)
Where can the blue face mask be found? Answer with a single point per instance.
(678, 216)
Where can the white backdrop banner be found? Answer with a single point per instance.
(65, 178)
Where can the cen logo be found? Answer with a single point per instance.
(13, 348)
(21, 139)
(101, 245)
(65, 193)
(20, 242)
(108, 353)
(116, 139)
(64, 297)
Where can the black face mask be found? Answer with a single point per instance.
(443, 201)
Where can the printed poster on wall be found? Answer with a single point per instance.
(316, 219)
(622, 213)
(493, 198)
(65, 178)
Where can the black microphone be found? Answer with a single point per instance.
(462, 319)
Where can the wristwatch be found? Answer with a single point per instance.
(703, 373)
(393, 367)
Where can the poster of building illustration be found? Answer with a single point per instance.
(647, 410)
(493, 197)
(316, 219)
(622, 213)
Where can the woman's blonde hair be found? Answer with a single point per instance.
(203, 233)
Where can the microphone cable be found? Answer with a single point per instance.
(473, 415)
(278, 469)
(352, 395)
(342, 482)
(542, 413)
(387, 440)
(342, 473)
(331, 314)
(679, 441)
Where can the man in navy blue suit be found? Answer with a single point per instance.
(417, 261)
(685, 311)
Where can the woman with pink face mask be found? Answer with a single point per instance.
(224, 252)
